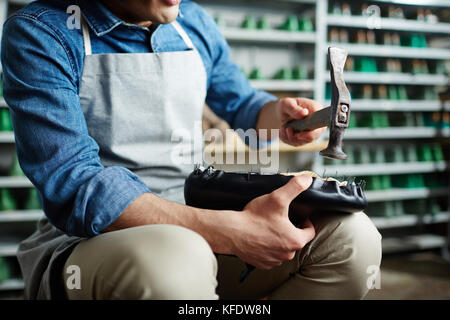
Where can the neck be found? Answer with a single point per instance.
(125, 12)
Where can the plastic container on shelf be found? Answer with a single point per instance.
(5, 120)
(249, 22)
(362, 154)
(436, 149)
(263, 24)
(283, 74)
(411, 153)
(33, 202)
(7, 201)
(16, 170)
(402, 93)
(255, 74)
(395, 154)
(425, 153)
(290, 24)
(305, 24)
(299, 73)
(392, 93)
(5, 269)
(399, 208)
(378, 154)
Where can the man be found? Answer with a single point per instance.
(93, 111)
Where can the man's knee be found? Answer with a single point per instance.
(150, 262)
(351, 245)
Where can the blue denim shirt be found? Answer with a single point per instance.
(42, 65)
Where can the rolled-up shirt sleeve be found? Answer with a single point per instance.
(79, 195)
(230, 94)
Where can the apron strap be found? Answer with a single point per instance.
(86, 38)
(183, 34)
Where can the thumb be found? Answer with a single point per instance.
(293, 188)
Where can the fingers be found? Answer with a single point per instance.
(284, 195)
(310, 105)
(304, 235)
(292, 109)
(289, 136)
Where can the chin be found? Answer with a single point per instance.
(168, 15)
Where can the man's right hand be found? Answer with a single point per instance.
(268, 237)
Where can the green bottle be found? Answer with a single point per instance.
(434, 206)
(291, 24)
(33, 202)
(401, 93)
(411, 153)
(395, 154)
(299, 73)
(283, 74)
(385, 182)
(352, 122)
(436, 149)
(220, 21)
(249, 22)
(305, 24)
(5, 120)
(425, 153)
(5, 270)
(362, 155)
(16, 169)
(378, 155)
(255, 74)
(263, 24)
(7, 201)
(392, 93)
(399, 209)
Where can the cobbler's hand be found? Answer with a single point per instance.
(297, 108)
(268, 237)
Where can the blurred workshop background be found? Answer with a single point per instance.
(398, 141)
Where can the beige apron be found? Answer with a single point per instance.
(144, 110)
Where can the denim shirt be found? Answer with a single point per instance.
(42, 63)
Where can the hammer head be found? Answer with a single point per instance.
(340, 104)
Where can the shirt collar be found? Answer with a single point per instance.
(98, 17)
(101, 20)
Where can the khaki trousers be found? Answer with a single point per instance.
(171, 262)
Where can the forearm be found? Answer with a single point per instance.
(216, 227)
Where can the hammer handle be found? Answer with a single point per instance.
(315, 120)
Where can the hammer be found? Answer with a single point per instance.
(337, 115)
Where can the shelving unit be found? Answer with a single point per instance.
(252, 48)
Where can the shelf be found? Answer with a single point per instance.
(393, 51)
(404, 194)
(409, 220)
(402, 106)
(386, 168)
(395, 78)
(6, 137)
(283, 85)
(395, 133)
(388, 24)
(8, 249)
(410, 243)
(269, 36)
(21, 216)
(434, 3)
(15, 182)
(12, 284)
